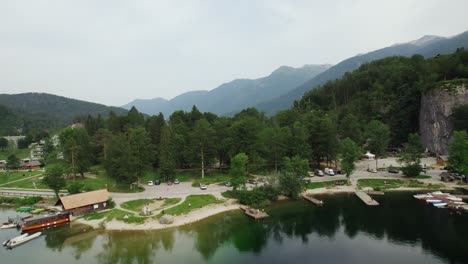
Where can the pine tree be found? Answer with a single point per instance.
(167, 164)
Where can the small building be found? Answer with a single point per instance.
(368, 156)
(82, 203)
(442, 160)
(37, 150)
(29, 164)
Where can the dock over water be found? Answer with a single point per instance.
(313, 200)
(366, 198)
(254, 213)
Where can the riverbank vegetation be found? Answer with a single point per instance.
(385, 184)
(20, 201)
(326, 184)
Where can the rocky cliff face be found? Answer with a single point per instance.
(435, 126)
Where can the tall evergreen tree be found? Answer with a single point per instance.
(154, 126)
(118, 160)
(141, 152)
(202, 143)
(76, 147)
(54, 178)
(167, 163)
(458, 151)
(378, 137)
(13, 162)
(350, 153)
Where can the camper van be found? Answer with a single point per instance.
(330, 172)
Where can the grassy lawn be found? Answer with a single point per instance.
(136, 205)
(192, 202)
(99, 181)
(115, 214)
(315, 185)
(14, 176)
(169, 201)
(20, 153)
(384, 184)
(421, 176)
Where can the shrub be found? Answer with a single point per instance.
(258, 197)
(20, 201)
(411, 170)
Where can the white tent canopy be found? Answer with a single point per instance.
(369, 155)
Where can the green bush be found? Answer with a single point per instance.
(258, 197)
(20, 201)
(412, 170)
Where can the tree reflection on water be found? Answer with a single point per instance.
(399, 219)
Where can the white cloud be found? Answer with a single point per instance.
(114, 51)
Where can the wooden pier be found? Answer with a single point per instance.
(313, 200)
(254, 213)
(375, 193)
(366, 198)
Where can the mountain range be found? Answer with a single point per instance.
(279, 90)
(428, 46)
(233, 96)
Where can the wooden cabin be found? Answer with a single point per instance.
(83, 203)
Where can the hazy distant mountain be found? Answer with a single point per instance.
(44, 111)
(232, 96)
(427, 46)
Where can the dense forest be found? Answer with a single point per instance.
(30, 112)
(371, 108)
(388, 90)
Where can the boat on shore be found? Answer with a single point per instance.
(440, 205)
(433, 201)
(44, 221)
(24, 209)
(21, 239)
(8, 225)
(5, 243)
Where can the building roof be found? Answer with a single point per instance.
(29, 163)
(83, 199)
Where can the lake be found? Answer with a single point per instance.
(400, 230)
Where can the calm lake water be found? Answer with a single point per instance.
(401, 230)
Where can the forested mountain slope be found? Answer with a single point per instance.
(44, 111)
(428, 46)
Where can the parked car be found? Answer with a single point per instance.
(150, 183)
(202, 186)
(157, 182)
(319, 173)
(372, 170)
(311, 174)
(169, 183)
(393, 171)
(339, 172)
(330, 172)
(176, 181)
(227, 184)
(252, 181)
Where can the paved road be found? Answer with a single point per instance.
(181, 190)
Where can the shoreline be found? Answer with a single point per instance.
(153, 224)
(215, 209)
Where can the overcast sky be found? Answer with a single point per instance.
(112, 51)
